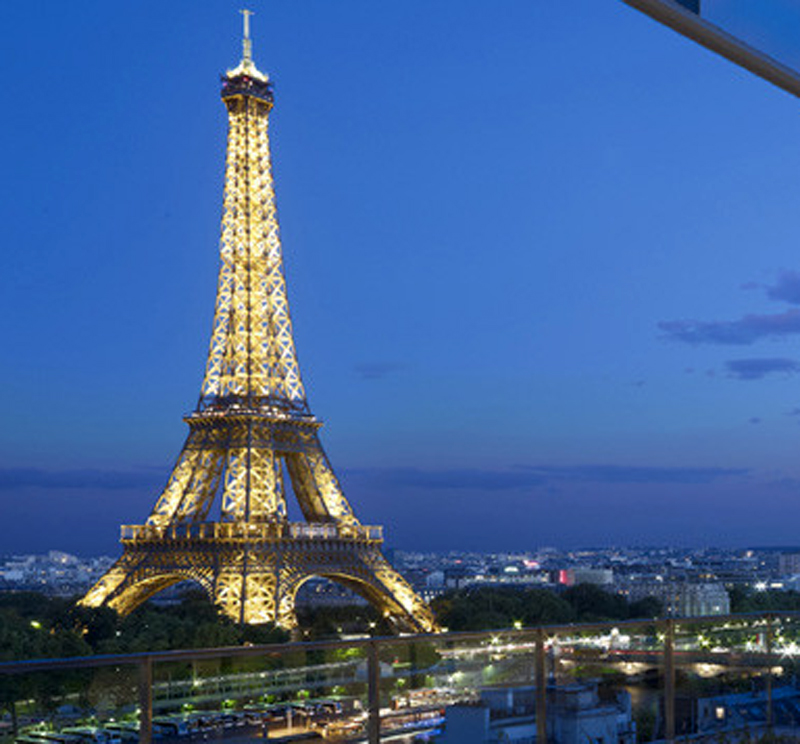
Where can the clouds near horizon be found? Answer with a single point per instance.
(20, 478)
(757, 369)
(531, 476)
(743, 332)
(749, 328)
(519, 476)
(787, 288)
(376, 370)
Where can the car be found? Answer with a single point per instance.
(171, 726)
(90, 735)
(58, 738)
(128, 733)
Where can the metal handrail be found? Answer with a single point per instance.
(82, 662)
(537, 638)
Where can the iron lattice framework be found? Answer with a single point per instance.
(253, 424)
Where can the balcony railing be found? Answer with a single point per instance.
(251, 531)
(709, 679)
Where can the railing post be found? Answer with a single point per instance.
(541, 688)
(669, 680)
(373, 694)
(145, 700)
(769, 639)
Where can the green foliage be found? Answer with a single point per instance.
(489, 608)
(35, 626)
(97, 625)
(591, 603)
(747, 600)
(347, 654)
(333, 622)
(648, 607)
(645, 723)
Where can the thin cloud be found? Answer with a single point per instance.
(787, 288)
(531, 476)
(637, 474)
(376, 370)
(749, 328)
(460, 479)
(742, 332)
(757, 369)
(19, 478)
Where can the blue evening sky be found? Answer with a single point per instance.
(542, 256)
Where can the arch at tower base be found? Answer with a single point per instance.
(254, 573)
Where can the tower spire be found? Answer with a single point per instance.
(247, 67)
(247, 44)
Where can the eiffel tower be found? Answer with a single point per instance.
(252, 424)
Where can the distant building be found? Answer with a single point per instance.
(789, 564)
(694, 600)
(435, 580)
(55, 573)
(581, 575)
(682, 599)
(321, 592)
(457, 577)
(435, 585)
(575, 715)
(737, 711)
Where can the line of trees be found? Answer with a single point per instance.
(487, 608)
(749, 600)
(36, 626)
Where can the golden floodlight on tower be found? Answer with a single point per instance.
(252, 435)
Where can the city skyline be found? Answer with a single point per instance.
(542, 274)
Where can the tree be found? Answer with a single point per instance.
(486, 608)
(591, 603)
(648, 607)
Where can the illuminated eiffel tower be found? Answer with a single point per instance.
(251, 424)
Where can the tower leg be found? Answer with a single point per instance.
(257, 582)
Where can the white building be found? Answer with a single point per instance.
(682, 599)
(789, 564)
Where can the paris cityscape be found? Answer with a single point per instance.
(697, 580)
(535, 479)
